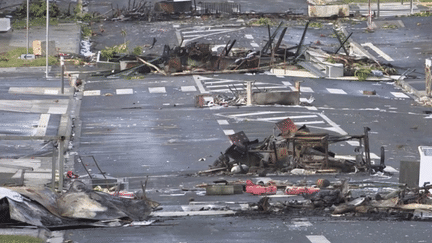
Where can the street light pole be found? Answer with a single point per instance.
(47, 38)
(27, 28)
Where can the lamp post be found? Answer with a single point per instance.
(47, 38)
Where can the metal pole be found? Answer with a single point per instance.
(378, 8)
(61, 163)
(248, 93)
(369, 15)
(53, 172)
(428, 75)
(62, 73)
(47, 38)
(28, 15)
(411, 7)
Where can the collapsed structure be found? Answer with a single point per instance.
(294, 148)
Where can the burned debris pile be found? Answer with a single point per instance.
(294, 150)
(79, 206)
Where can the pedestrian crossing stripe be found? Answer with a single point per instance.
(92, 93)
(336, 91)
(228, 132)
(317, 239)
(223, 122)
(302, 89)
(157, 89)
(188, 88)
(399, 95)
(124, 91)
(250, 37)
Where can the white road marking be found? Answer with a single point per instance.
(254, 44)
(257, 113)
(57, 110)
(286, 83)
(374, 156)
(302, 89)
(188, 88)
(317, 239)
(124, 91)
(92, 93)
(399, 95)
(223, 122)
(199, 84)
(204, 33)
(354, 143)
(250, 37)
(157, 89)
(228, 132)
(51, 92)
(42, 125)
(311, 108)
(378, 51)
(191, 213)
(336, 91)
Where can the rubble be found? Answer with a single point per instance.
(295, 150)
(78, 206)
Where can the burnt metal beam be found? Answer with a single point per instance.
(230, 47)
(342, 43)
(271, 38)
(301, 40)
(280, 39)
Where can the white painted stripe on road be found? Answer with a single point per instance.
(205, 31)
(228, 132)
(302, 89)
(336, 91)
(257, 113)
(248, 36)
(57, 110)
(286, 83)
(254, 44)
(374, 156)
(223, 81)
(191, 213)
(124, 91)
(188, 88)
(223, 122)
(378, 51)
(309, 123)
(399, 95)
(354, 143)
(157, 89)
(92, 93)
(317, 239)
(51, 92)
(311, 108)
(42, 125)
(199, 84)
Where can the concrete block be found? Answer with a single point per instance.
(409, 173)
(335, 70)
(5, 24)
(341, 10)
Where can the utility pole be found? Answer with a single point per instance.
(47, 38)
(28, 15)
(428, 75)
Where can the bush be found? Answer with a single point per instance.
(109, 52)
(37, 10)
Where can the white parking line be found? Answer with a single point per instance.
(124, 91)
(378, 51)
(228, 132)
(317, 239)
(399, 95)
(302, 89)
(92, 93)
(188, 88)
(336, 91)
(223, 122)
(250, 37)
(157, 89)
(42, 125)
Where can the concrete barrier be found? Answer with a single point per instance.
(315, 10)
(5, 24)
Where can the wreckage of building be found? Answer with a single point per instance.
(294, 148)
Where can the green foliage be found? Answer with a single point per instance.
(109, 52)
(362, 74)
(137, 51)
(315, 25)
(11, 59)
(19, 239)
(22, 23)
(263, 22)
(37, 10)
(422, 14)
(86, 31)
